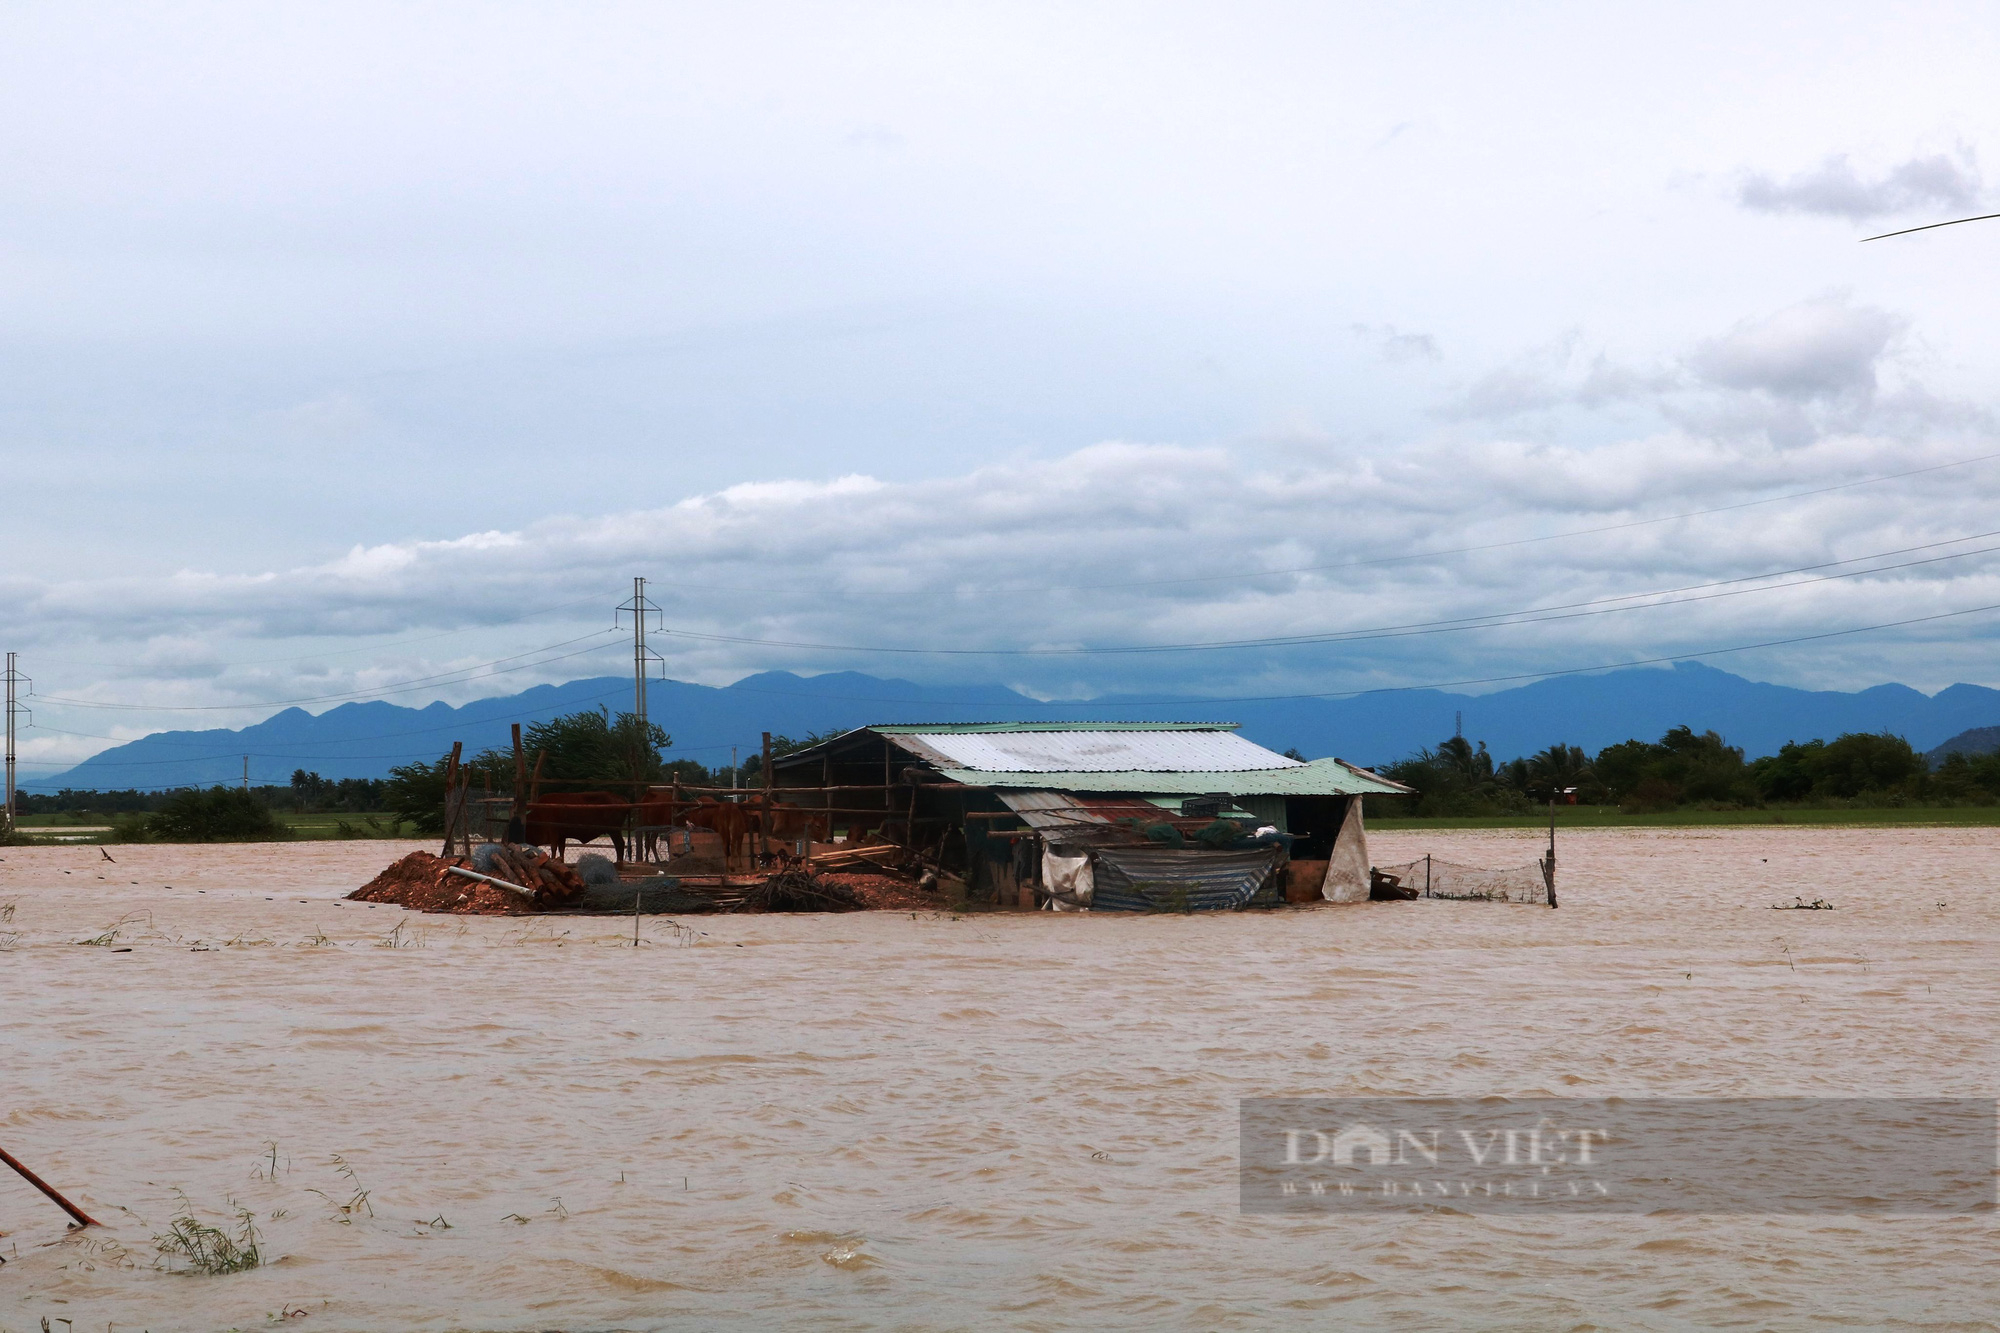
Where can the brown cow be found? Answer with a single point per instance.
(654, 813)
(584, 815)
(731, 822)
(791, 822)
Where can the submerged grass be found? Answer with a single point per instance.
(357, 1203)
(200, 1248)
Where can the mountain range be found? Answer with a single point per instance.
(1971, 744)
(362, 740)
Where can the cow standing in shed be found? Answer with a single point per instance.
(729, 821)
(788, 823)
(580, 816)
(654, 812)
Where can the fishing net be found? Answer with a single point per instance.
(1430, 877)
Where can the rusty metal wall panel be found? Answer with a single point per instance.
(1048, 810)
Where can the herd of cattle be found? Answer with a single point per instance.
(553, 821)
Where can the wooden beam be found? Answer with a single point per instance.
(520, 775)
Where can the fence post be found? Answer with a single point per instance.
(1549, 865)
(454, 799)
(764, 832)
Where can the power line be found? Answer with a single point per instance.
(460, 725)
(1929, 226)
(384, 647)
(1490, 620)
(1566, 671)
(1481, 680)
(1241, 575)
(401, 687)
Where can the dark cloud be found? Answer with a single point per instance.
(1835, 189)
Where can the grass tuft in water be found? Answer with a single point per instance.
(357, 1203)
(201, 1248)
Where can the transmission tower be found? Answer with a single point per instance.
(639, 608)
(14, 682)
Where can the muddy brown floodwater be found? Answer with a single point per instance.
(881, 1120)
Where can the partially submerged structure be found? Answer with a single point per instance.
(1113, 815)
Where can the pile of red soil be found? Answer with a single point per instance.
(419, 882)
(881, 893)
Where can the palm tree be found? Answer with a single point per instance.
(1559, 768)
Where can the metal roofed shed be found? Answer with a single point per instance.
(1102, 749)
(987, 799)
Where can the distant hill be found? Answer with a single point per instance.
(1978, 741)
(364, 740)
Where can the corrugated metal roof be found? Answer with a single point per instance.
(1048, 810)
(979, 728)
(1140, 758)
(1096, 750)
(1322, 777)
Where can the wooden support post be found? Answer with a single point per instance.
(764, 825)
(520, 774)
(83, 1219)
(1549, 866)
(454, 798)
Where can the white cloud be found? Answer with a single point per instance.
(1116, 544)
(378, 373)
(1818, 349)
(1129, 543)
(1835, 189)
(1398, 345)
(1822, 367)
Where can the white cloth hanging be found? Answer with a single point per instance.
(1068, 881)
(1347, 869)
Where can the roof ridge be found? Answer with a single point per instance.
(919, 728)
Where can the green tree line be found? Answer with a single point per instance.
(591, 748)
(1686, 769)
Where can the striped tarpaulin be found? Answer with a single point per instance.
(1174, 879)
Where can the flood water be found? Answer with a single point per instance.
(886, 1121)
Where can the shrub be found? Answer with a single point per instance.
(207, 1249)
(217, 815)
(131, 828)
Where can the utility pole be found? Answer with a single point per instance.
(640, 607)
(246, 772)
(14, 680)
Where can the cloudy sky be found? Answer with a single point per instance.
(348, 350)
